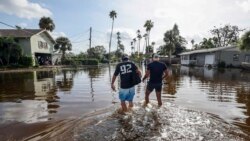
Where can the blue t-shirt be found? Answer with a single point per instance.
(125, 70)
(156, 69)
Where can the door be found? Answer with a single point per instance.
(247, 58)
(209, 59)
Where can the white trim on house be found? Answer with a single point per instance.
(207, 50)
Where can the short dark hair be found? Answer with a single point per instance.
(155, 55)
(125, 57)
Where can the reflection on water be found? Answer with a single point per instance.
(43, 95)
(221, 92)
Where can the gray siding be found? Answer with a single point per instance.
(200, 59)
(25, 45)
(228, 57)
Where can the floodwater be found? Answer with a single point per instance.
(195, 99)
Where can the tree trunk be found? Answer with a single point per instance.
(148, 37)
(111, 38)
(8, 55)
(169, 57)
(139, 47)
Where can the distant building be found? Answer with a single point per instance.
(232, 56)
(36, 43)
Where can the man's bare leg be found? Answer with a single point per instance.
(124, 106)
(158, 96)
(147, 97)
(131, 105)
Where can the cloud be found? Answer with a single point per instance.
(195, 18)
(23, 25)
(57, 34)
(126, 33)
(23, 9)
(245, 5)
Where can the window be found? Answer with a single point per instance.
(236, 57)
(42, 45)
(247, 58)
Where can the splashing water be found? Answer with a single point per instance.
(168, 122)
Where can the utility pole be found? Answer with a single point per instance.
(90, 36)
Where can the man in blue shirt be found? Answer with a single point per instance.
(157, 72)
(127, 88)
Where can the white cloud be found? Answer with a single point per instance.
(23, 25)
(245, 5)
(23, 9)
(57, 34)
(194, 17)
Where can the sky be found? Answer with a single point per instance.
(73, 18)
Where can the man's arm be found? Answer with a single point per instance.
(165, 74)
(138, 71)
(112, 83)
(146, 75)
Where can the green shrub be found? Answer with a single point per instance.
(192, 64)
(14, 66)
(90, 62)
(221, 64)
(25, 61)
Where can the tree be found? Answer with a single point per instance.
(47, 24)
(118, 39)
(96, 52)
(192, 42)
(139, 40)
(134, 41)
(207, 43)
(162, 50)
(63, 44)
(244, 43)
(10, 51)
(112, 15)
(153, 45)
(132, 47)
(148, 25)
(172, 40)
(149, 49)
(145, 37)
(225, 36)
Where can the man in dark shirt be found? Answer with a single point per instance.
(157, 72)
(127, 89)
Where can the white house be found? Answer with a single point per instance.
(231, 56)
(36, 43)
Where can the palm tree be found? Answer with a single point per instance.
(134, 40)
(139, 39)
(244, 43)
(192, 42)
(145, 37)
(153, 45)
(118, 39)
(172, 39)
(132, 47)
(63, 44)
(112, 15)
(148, 25)
(47, 24)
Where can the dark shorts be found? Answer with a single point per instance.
(156, 86)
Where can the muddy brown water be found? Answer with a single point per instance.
(33, 101)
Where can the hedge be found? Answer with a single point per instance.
(25, 61)
(90, 62)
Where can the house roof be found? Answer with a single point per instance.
(23, 33)
(18, 33)
(207, 50)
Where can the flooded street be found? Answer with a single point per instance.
(195, 100)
